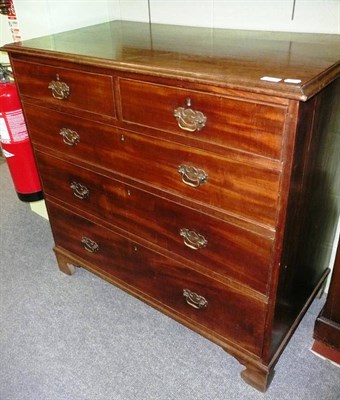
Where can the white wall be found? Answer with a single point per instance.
(310, 15)
(41, 17)
(44, 17)
(5, 36)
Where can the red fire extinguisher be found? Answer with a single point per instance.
(15, 141)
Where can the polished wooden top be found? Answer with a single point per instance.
(228, 58)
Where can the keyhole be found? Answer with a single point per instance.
(188, 102)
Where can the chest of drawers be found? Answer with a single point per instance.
(174, 167)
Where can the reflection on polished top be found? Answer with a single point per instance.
(293, 65)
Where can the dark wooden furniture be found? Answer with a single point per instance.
(327, 325)
(186, 166)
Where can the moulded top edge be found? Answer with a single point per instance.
(288, 65)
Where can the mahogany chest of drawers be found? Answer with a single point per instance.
(188, 167)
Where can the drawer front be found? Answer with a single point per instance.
(228, 313)
(90, 92)
(248, 126)
(220, 247)
(234, 187)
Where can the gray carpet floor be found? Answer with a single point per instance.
(80, 338)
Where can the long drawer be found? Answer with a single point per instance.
(237, 123)
(87, 91)
(181, 291)
(218, 246)
(249, 191)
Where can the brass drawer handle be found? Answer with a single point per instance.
(89, 245)
(192, 176)
(194, 299)
(188, 119)
(192, 239)
(60, 90)
(70, 137)
(79, 190)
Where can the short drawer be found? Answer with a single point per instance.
(184, 293)
(218, 246)
(246, 190)
(246, 125)
(62, 87)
